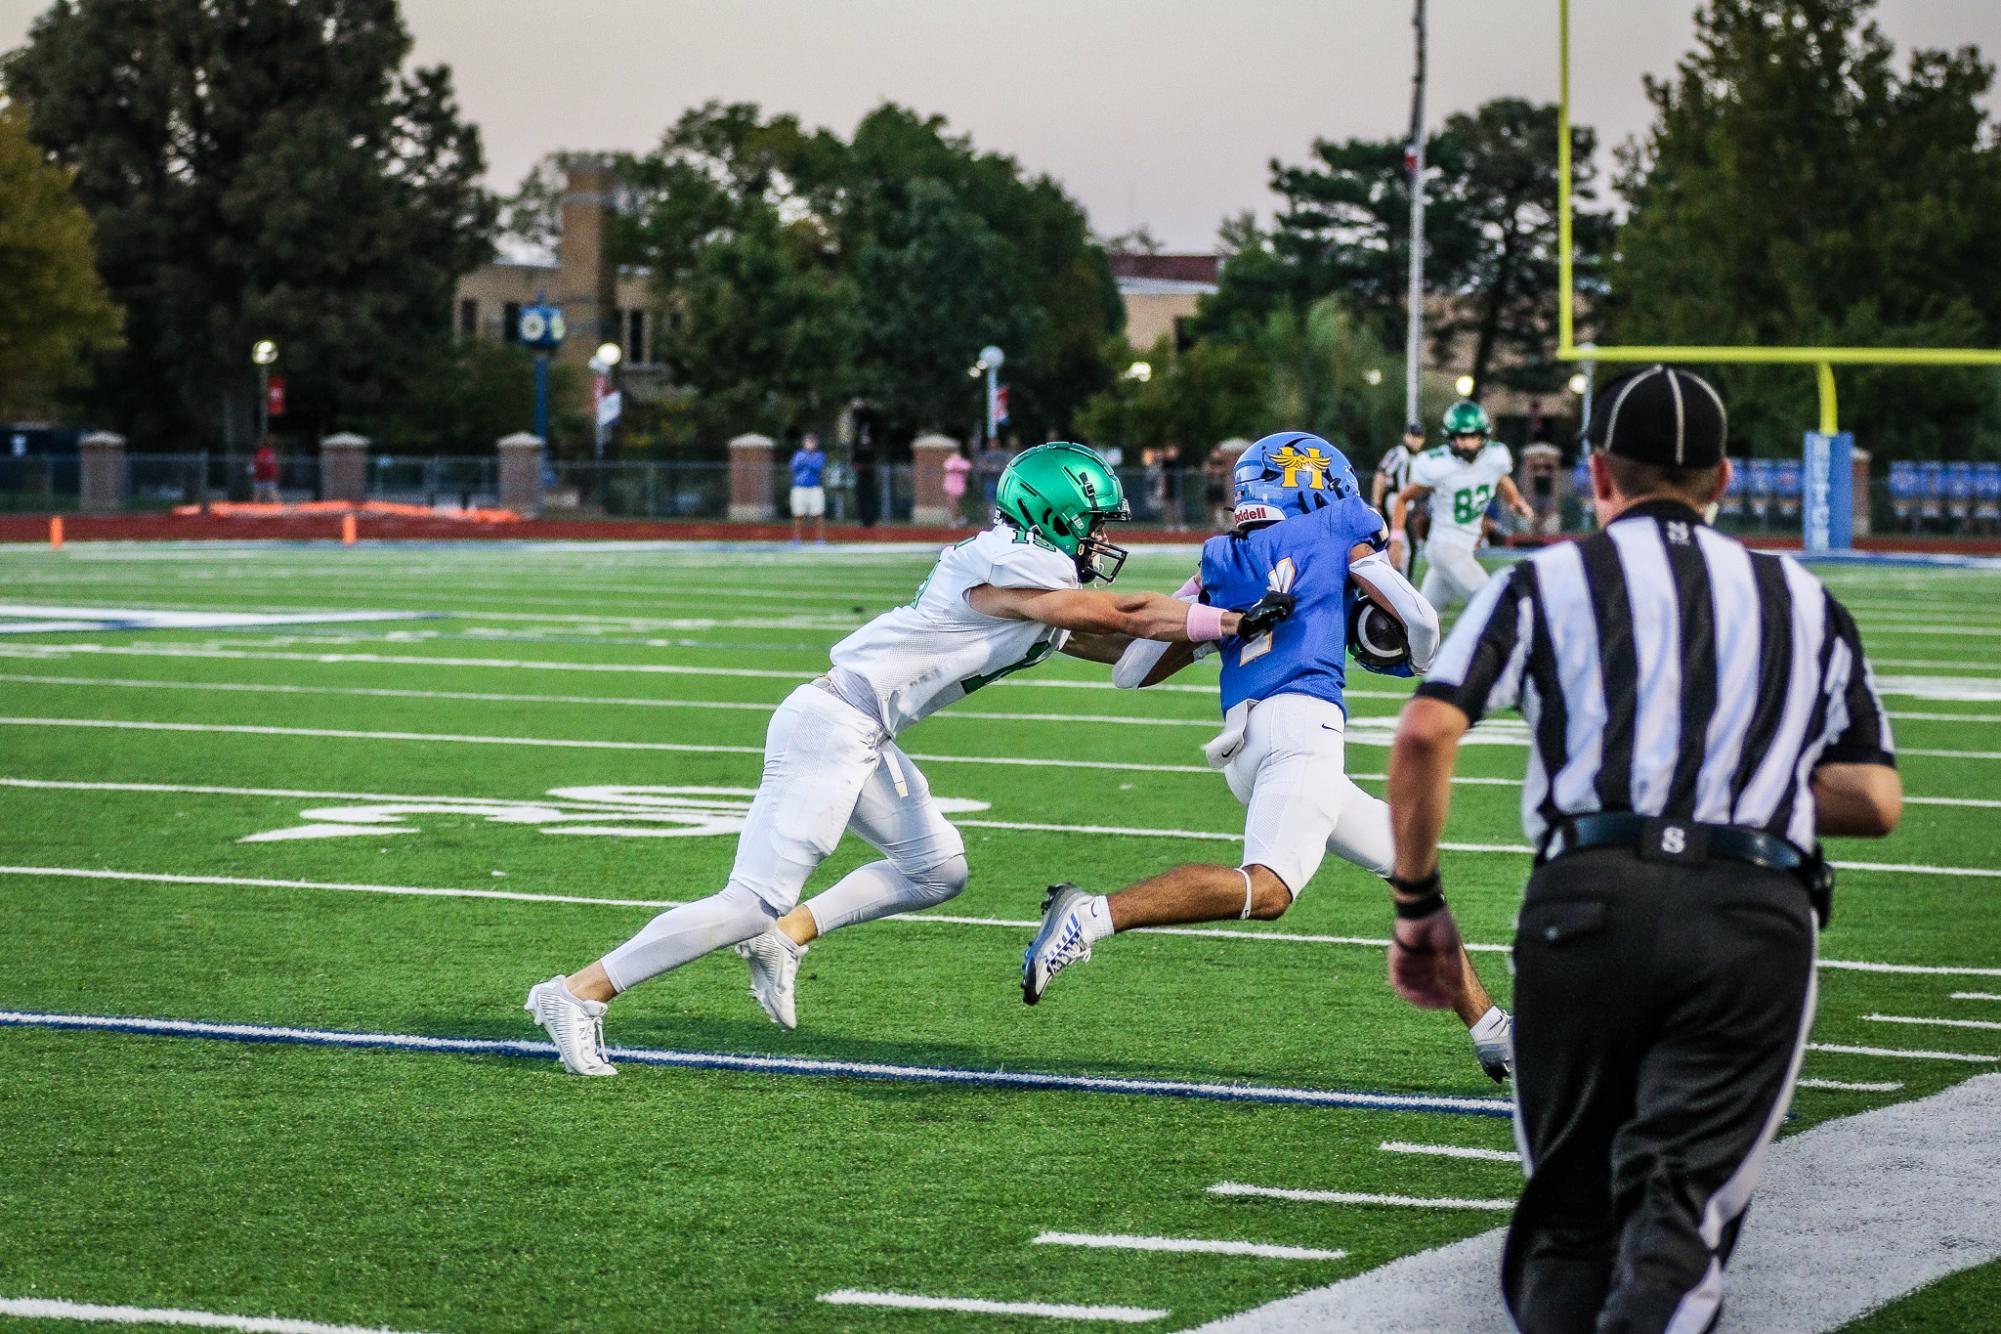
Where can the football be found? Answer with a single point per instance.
(1377, 638)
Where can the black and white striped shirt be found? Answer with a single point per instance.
(1666, 670)
(1394, 469)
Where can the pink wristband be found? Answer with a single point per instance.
(1204, 622)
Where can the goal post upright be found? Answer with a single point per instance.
(1822, 359)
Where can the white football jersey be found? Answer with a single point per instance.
(920, 657)
(1460, 488)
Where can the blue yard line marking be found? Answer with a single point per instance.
(771, 1065)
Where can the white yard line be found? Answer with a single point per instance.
(1246, 935)
(905, 1301)
(1185, 1245)
(45, 1308)
(1851, 1086)
(1237, 1188)
(1976, 995)
(1451, 1151)
(1850, 1216)
(1905, 1053)
(1986, 1025)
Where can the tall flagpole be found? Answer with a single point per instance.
(1414, 161)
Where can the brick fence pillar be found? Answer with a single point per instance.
(927, 478)
(750, 477)
(521, 472)
(344, 467)
(101, 474)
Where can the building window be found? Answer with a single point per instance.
(468, 316)
(510, 322)
(635, 337)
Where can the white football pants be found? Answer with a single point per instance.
(827, 767)
(1452, 573)
(1300, 805)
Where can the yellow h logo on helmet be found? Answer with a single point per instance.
(1312, 463)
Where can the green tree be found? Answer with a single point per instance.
(259, 169)
(56, 314)
(1490, 234)
(1797, 188)
(804, 271)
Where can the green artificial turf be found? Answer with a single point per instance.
(448, 1192)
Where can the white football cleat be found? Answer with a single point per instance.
(1060, 943)
(1494, 1044)
(575, 1025)
(774, 967)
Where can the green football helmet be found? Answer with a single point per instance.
(1064, 494)
(1467, 418)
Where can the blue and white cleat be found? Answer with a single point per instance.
(1060, 943)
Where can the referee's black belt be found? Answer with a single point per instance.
(1656, 838)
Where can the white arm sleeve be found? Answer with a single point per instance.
(1141, 655)
(1420, 621)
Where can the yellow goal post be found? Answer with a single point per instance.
(1822, 359)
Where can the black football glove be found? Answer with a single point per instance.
(1271, 609)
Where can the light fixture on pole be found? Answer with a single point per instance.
(1373, 376)
(263, 353)
(1579, 383)
(1141, 371)
(608, 402)
(1464, 384)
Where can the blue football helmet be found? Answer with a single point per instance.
(1288, 473)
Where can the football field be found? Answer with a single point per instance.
(287, 832)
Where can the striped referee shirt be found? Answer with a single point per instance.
(1394, 468)
(1666, 670)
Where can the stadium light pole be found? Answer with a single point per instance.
(992, 359)
(262, 354)
(1414, 159)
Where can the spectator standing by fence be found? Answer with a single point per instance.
(264, 474)
(809, 494)
(992, 463)
(957, 466)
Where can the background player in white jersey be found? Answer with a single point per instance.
(1461, 476)
(994, 604)
(1392, 475)
(1302, 529)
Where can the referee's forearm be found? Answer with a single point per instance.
(1420, 785)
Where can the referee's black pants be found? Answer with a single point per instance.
(1660, 1013)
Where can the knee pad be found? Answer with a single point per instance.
(942, 882)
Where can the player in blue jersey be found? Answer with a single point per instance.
(1303, 529)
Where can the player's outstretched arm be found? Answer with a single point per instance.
(1147, 662)
(1399, 507)
(1511, 496)
(1093, 612)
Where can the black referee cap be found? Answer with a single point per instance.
(1661, 415)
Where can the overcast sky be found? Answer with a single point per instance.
(1162, 112)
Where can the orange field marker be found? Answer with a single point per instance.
(347, 533)
(55, 532)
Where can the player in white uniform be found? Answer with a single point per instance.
(1460, 477)
(1392, 475)
(994, 604)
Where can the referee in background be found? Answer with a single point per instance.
(1700, 714)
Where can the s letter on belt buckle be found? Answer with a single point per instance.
(1674, 841)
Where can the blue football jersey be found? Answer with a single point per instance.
(1306, 556)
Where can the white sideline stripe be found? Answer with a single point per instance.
(905, 1301)
(44, 1308)
(1844, 1049)
(742, 1063)
(1356, 1197)
(918, 919)
(1976, 995)
(1850, 1086)
(1850, 1216)
(1190, 1245)
(1451, 1151)
(1987, 1025)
